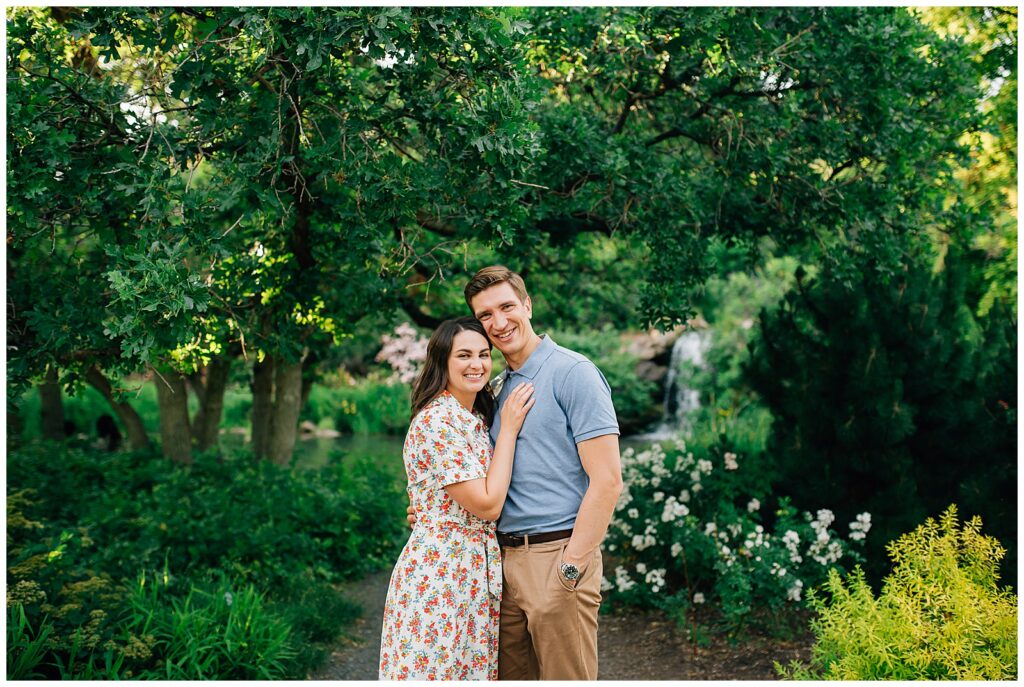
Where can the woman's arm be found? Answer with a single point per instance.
(485, 497)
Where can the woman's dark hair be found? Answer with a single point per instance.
(434, 377)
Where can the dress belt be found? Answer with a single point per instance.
(521, 539)
(491, 553)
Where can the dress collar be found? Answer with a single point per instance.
(446, 397)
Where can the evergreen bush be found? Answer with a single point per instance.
(940, 615)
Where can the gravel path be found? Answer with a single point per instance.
(634, 645)
(358, 659)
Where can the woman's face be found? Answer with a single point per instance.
(469, 363)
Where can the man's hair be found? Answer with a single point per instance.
(489, 276)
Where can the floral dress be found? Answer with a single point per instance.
(441, 615)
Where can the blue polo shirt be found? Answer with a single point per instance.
(574, 403)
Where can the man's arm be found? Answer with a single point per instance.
(600, 458)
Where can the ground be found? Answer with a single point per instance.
(632, 645)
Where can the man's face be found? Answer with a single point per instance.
(505, 318)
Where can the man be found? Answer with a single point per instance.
(566, 479)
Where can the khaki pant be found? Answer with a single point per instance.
(548, 629)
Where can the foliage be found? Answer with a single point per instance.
(275, 539)
(266, 177)
(689, 530)
(889, 395)
(990, 175)
(219, 632)
(26, 646)
(940, 615)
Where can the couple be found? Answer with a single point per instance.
(539, 570)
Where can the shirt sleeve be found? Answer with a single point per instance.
(448, 452)
(587, 400)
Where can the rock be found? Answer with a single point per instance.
(308, 430)
(646, 369)
(652, 344)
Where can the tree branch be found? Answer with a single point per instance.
(418, 316)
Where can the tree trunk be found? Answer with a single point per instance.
(262, 404)
(198, 386)
(137, 437)
(307, 387)
(175, 435)
(287, 404)
(52, 408)
(212, 401)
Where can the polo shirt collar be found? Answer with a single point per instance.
(536, 360)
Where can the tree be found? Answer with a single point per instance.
(892, 396)
(258, 181)
(271, 205)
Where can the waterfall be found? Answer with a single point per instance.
(681, 400)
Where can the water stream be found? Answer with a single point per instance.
(680, 400)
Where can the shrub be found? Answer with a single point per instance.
(940, 614)
(688, 531)
(373, 406)
(274, 538)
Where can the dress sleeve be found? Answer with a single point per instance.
(446, 448)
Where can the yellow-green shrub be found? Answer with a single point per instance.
(940, 616)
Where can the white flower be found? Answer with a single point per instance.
(676, 549)
(656, 578)
(622, 579)
(860, 526)
(782, 572)
(753, 505)
(228, 599)
(633, 513)
(698, 598)
(673, 509)
(641, 568)
(826, 517)
(730, 461)
(705, 466)
(606, 584)
(658, 495)
(695, 477)
(793, 593)
(696, 487)
(684, 495)
(710, 528)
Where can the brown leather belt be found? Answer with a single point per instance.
(520, 539)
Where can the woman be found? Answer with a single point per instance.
(441, 616)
